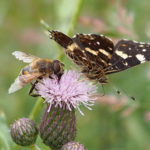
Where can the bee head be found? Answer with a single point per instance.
(57, 67)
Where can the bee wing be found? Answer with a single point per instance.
(17, 85)
(27, 58)
(22, 80)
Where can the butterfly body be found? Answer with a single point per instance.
(97, 56)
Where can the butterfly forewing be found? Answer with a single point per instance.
(128, 54)
(61, 38)
(85, 49)
(96, 48)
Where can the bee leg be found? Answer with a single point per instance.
(32, 88)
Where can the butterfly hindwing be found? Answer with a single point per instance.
(128, 54)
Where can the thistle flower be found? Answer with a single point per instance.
(69, 91)
(58, 125)
(73, 146)
(24, 132)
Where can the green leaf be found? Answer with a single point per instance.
(5, 140)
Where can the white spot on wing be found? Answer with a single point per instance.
(141, 45)
(91, 51)
(126, 64)
(72, 46)
(144, 50)
(142, 42)
(121, 54)
(98, 43)
(140, 57)
(105, 53)
(110, 48)
(109, 39)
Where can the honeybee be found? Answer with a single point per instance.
(37, 68)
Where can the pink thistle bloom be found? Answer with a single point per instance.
(70, 91)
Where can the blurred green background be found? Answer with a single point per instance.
(116, 122)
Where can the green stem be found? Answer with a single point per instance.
(75, 17)
(73, 22)
(36, 109)
(34, 147)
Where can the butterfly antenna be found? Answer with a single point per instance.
(120, 93)
(103, 90)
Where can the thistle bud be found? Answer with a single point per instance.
(73, 146)
(24, 132)
(58, 127)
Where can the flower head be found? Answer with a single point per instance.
(24, 132)
(57, 127)
(69, 91)
(73, 146)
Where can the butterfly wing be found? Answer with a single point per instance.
(84, 48)
(27, 58)
(97, 49)
(62, 39)
(128, 54)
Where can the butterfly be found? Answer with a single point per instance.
(98, 56)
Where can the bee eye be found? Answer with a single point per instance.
(56, 66)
